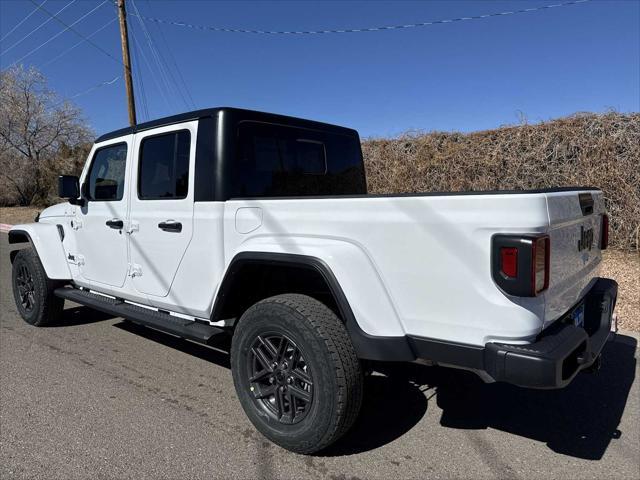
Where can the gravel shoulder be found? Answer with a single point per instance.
(624, 268)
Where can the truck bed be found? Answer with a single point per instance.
(425, 257)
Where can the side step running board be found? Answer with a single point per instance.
(189, 329)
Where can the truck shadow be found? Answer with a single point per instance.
(216, 352)
(579, 420)
(79, 315)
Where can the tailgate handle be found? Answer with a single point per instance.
(586, 203)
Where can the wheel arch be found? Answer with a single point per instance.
(45, 240)
(261, 274)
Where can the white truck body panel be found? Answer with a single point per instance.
(46, 241)
(102, 253)
(156, 254)
(417, 257)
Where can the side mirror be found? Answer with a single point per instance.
(69, 188)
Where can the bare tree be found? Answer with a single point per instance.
(40, 136)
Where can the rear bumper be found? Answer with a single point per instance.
(552, 361)
(561, 351)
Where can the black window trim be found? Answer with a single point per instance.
(85, 190)
(144, 139)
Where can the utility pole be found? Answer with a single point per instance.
(126, 60)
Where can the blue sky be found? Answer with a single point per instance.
(465, 76)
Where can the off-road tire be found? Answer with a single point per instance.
(330, 357)
(46, 308)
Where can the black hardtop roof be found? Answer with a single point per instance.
(240, 113)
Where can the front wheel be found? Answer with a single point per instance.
(33, 291)
(296, 373)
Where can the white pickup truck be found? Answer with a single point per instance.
(259, 226)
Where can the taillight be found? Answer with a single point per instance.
(509, 261)
(520, 263)
(540, 265)
(604, 235)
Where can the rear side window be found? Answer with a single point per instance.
(106, 176)
(163, 170)
(282, 161)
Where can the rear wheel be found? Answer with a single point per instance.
(296, 373)
(33, 291)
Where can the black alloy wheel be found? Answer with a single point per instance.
(280, 378)
(26, 288)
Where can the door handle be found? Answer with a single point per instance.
(170, 226)
(115, 223)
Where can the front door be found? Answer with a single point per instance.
(161, 214)
(99, 224)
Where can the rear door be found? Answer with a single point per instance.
(575, 233)
(161, 211)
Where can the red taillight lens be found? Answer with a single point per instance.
(520, 263)
(509, 261)
(604, 236)
(540, 264)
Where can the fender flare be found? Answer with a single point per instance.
(370, 347)
(45, 240)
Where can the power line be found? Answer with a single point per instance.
(49, 62)
(137, 78)
(168, 68)
(90, 42)
(175, 63)
(155, 80)
(88, 90)
(357, 30)
(59, 33)
(155, 56)
(39, 7)
(95, 87)
(21, 22)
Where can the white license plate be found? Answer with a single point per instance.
(578, 316)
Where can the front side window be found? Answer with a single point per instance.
(163, 171)
(106, 176)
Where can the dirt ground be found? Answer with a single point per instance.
(15, 215)
(624, 267)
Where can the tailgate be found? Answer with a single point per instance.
(575, 226)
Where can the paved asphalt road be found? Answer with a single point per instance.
(100, 398)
